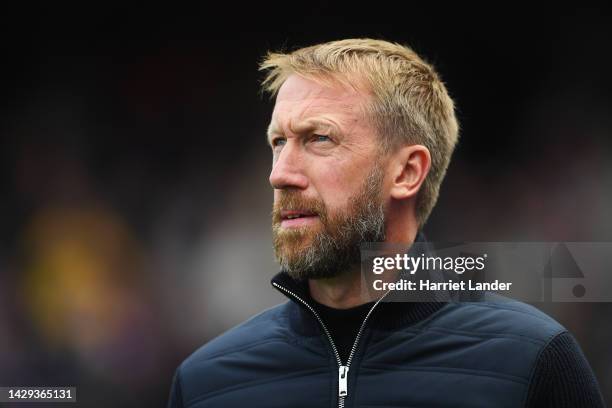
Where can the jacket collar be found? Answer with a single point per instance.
(388, 314)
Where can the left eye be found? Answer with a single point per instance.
(320, 138)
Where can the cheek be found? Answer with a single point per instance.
(335, 184)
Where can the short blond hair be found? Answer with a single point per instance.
(408, 104)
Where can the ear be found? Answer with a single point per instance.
(409, 167)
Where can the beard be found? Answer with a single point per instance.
(332, 247)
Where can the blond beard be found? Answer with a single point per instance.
(332, 246)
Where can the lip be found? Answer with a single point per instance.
(297, 218)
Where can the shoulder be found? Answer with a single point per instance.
(497, 338)
(497, 316)
(563, 366)
(212, 366)
(269, 325)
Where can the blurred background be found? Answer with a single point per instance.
(134, 200)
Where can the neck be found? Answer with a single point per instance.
(344, 291)
(340, 292)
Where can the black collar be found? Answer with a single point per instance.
(387, 315)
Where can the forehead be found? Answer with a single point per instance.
(300, 99)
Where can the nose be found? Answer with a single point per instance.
(288, 169)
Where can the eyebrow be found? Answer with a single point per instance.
(301, 127)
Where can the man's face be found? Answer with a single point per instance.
(326, 178)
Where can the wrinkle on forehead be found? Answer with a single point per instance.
(299, 100)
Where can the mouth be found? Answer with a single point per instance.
(297, 218)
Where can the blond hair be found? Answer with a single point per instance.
(408, 104)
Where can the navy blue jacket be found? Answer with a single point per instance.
(432, 354)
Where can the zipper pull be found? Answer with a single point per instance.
(343, 381)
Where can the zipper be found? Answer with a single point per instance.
(342, 369)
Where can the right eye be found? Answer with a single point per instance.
(278, 141)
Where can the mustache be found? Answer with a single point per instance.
(294, 201)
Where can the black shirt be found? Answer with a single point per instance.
(343, 325)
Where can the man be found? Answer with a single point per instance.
(361, 135)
